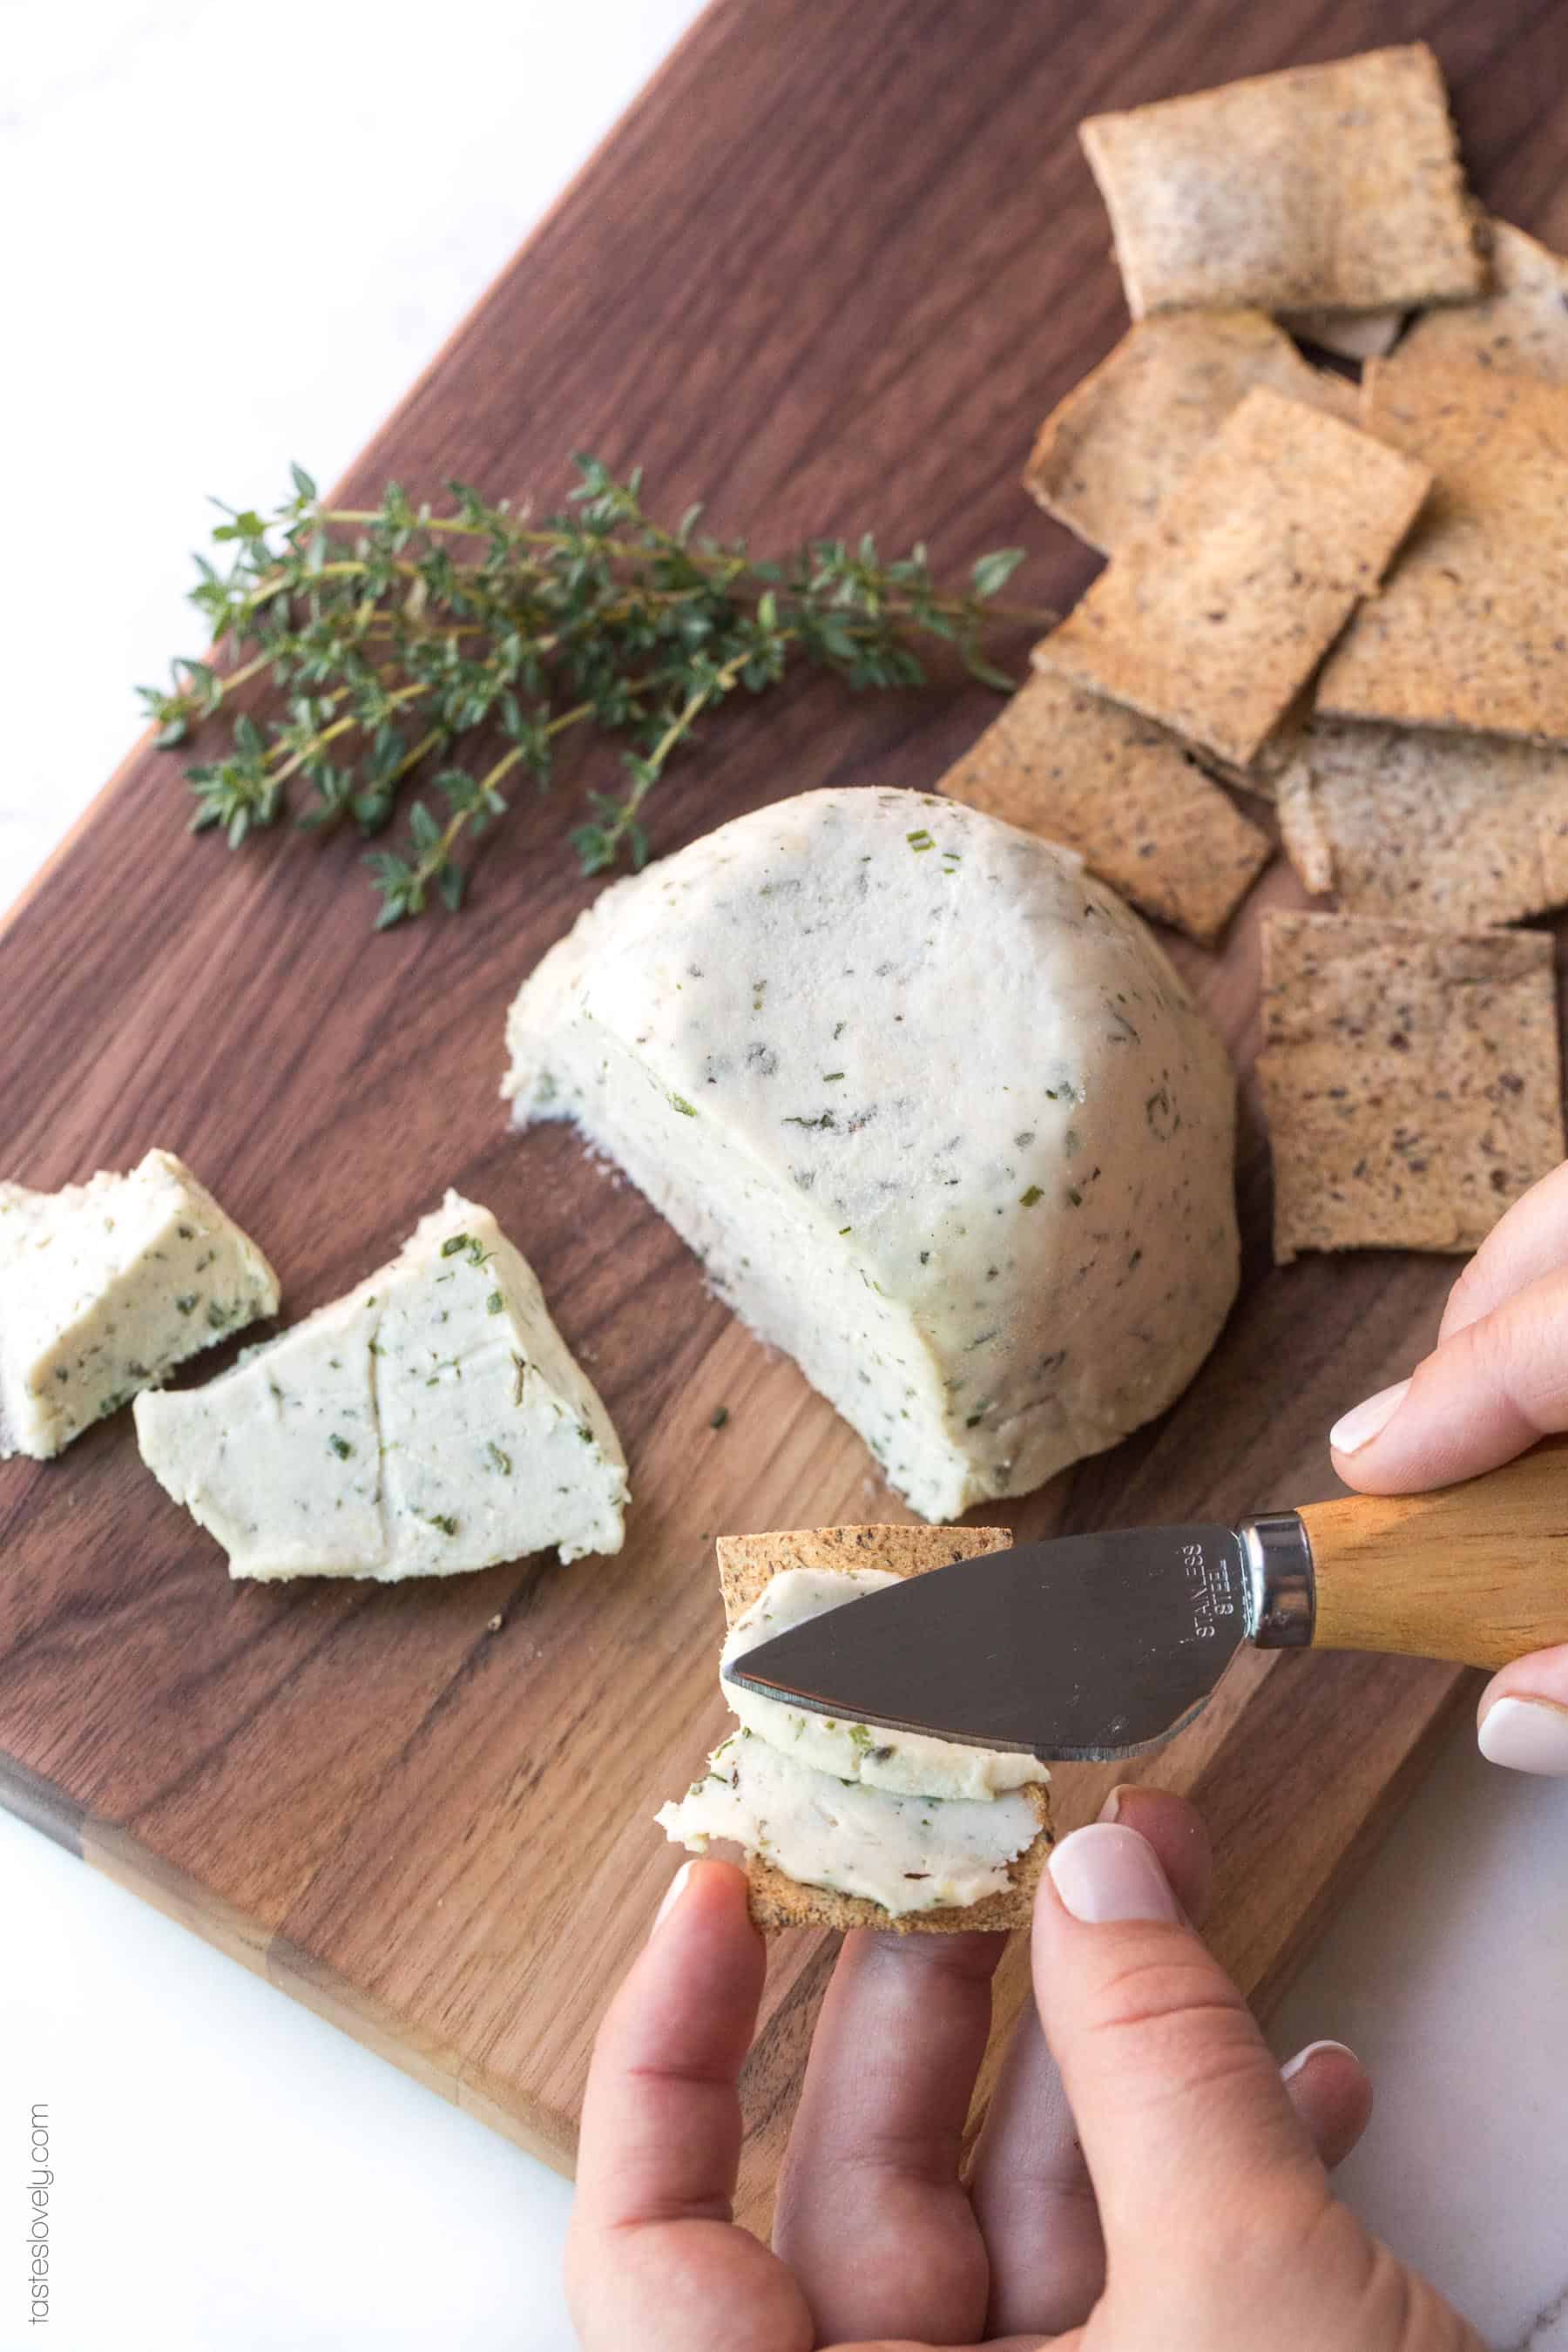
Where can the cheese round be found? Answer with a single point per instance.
(935, 1111)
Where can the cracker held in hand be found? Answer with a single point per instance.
(1469, 630)
(1123, 794)
(1520, 328)
(1327, 188)
(1410, 1080)
(1213, 617)
(1428, 825)
(749, 1563)
(1123, 436)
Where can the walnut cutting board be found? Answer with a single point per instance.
(829, 274)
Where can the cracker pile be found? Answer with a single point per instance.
(1351, 599)
(1213, 618)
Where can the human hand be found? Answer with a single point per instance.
(1187, 2208)
(1496, 1382)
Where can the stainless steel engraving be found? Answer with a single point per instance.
(1211, 1587)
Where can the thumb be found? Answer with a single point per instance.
(1178, 2104)
(1523, 1714)
(1488, 1389)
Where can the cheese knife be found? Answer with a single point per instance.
(1089, 1647)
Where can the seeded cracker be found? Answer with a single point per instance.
(748, 1563)
(1520, 328)
(1427, 824)
(1326, 187)
(1410, 1080)
(1108, 453)
(1216, 614)
(1123, 794)
(1471, 629)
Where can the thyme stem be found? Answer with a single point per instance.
(475, 619)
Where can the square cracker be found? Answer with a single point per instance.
(1332, 187)
(1410, 1080)
(1215, 614)
(747, 1564)
(1520, 328)
(1107, 454)
(1123, 794)
(1469, 630)
(1432, 826)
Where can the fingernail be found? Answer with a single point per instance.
(1293, 2066)
(672, 1894)
(1361, 1423)
(1104, 1873)
(1527, 1734)
(1111, 1809)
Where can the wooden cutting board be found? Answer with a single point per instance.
(829, 274)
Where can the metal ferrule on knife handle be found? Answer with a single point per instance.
(1279, 1596)
(1477, 1573)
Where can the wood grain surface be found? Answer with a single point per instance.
(829, 273)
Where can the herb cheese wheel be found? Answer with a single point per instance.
(932, 1107)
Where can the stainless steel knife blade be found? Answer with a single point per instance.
(1082, 1649)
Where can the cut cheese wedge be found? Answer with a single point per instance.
(106, 1286)
(430, 1421)
(933, 1110)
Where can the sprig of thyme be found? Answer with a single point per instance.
(393, 635)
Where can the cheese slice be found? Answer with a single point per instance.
(106, 1286)
(932, 1107)
(432, 1421)
(908, 1854)
(908, 1763)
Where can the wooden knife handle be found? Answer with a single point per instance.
(1477, 1572)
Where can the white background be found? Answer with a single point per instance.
(234, 235)
(208, 271)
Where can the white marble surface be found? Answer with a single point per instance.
(232, 2172)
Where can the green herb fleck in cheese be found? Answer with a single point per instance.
(431, 1421)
